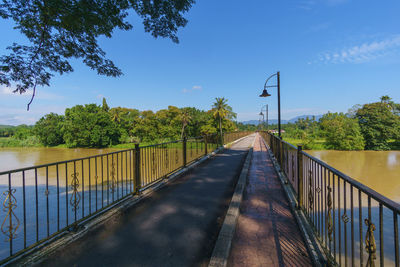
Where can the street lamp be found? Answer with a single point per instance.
(266, 114)
(266, 94)
(261, 121)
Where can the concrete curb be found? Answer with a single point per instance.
(40, 252)
(314, 248)
(223, 245)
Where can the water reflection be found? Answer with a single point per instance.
(379, 170)
(16, 158)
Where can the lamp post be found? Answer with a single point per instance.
(266, 94)
(261, 121)
(266, 114)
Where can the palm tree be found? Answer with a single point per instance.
(185, 118)
(116, 114)
(220, 110)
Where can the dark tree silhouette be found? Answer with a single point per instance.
(59, 30)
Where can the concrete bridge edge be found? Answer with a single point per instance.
(222, 248)
(313, 245)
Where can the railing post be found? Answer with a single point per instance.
(280, 153)
(184, 151)
(299, 177)
(205, 144)
(138, 183)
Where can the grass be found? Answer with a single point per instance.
(319, 144)
(394, 144)
(31, 141)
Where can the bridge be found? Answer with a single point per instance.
(257, 201)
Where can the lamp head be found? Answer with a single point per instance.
(261, 114)
(265, 93)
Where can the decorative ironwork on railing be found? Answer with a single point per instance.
(344, 213)
(41, 202)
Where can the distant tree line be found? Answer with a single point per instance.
(94, 125)
(373, 126)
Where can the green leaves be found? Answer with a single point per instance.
(89, 126)
(378, 124)
(341, 132)
(49, 129)
(59, 30)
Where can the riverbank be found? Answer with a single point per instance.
(320, 144)
(33, 141)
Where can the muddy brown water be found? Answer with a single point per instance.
(379, 170)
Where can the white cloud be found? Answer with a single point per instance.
(194, 88)
(364, 52)
(6, 91)
(16, 116)
(311, 4)
(40, 93)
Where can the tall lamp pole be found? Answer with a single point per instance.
(266, 115)
(266, 94)
(262, 121)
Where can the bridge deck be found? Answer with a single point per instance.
(176, 226)
(266, 233)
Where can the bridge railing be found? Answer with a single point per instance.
(355, 225)
(232, 136)
(41, 203)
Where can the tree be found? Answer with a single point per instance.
(22, 132)
(105, 106)
(378, 124)
(89, 126)
(49, 129)
(147, 127)
(342, 132)
(394, 106)
(220, 111)
(185, 118)
(124, 118)
(59, 30)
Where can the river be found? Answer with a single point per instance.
(379, 170)
(16, 158)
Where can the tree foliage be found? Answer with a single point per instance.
(89, 126)
(222, 112)
(49, 129)
(341, 132)
(378, 123)
(59, 30)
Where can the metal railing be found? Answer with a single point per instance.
(232, 136)
(45, 201)
(355, 225)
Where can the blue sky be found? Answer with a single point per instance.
(332, 54)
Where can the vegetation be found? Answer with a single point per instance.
(101, 126)
(49, 129)
(89, 126)
(221, 111)
(373, 126)
(341, 132)
(379, 123)
(57, 31)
